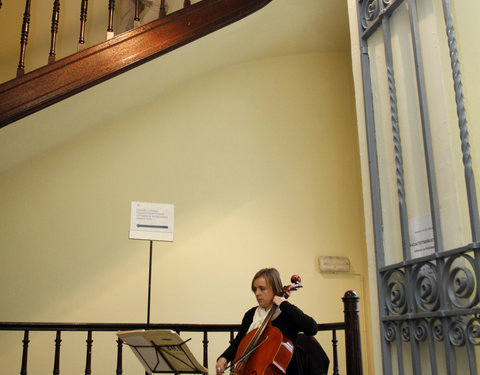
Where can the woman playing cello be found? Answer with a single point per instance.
(289, 319)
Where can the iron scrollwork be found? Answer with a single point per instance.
(395, 292)
(405, 331)
(462, 281)
(390, 332)
(437, 329)
(426, 290)
(370, 11)
(422, 330)
(456, 333)
(473, 331)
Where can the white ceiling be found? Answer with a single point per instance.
(283, 27)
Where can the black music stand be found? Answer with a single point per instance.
(162, 351)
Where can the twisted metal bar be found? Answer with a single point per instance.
(397, 143)
(462, 122)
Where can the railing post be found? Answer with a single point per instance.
(88, 364)
(56, 362)
(26, 340)
(136, 18)
(119, 356)
(83, 21)
(163, 10)
(54, 30)
(335, 352)
(353, 346)
(205, 349)
(24, 39)
(111, 10)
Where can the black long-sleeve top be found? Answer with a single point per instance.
(290, 322)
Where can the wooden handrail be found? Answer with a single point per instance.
(351, 326)
(89, 328)
(65, 77)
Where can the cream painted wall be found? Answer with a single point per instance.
(261, 162)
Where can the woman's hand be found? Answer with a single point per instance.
(220, 366)
(277, 300)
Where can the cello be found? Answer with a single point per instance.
(265, 350)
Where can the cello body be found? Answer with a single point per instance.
(271, 356)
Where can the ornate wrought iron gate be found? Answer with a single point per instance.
(424, 199)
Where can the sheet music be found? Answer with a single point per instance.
(145, 357)
(171, 354)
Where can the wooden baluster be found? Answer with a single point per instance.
(88, 362)
(186, 3)
(111, 9)
(83, 20)
(56, 363)
(0, 4)
(353, 346)
(205, 349)
(163, 9)
(54, 29)
(335, 352)
(119, 356)
(26, 340)
(24, 39)
(136, 18)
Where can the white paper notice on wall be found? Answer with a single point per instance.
(421, 236)
(151, 221)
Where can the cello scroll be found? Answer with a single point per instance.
(296, 283)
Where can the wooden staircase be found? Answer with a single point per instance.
(61, 79)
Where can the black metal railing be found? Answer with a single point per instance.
(350, 326)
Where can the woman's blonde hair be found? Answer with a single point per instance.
(272, 277)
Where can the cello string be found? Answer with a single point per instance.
(247, 353)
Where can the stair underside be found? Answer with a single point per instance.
(52, 83)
